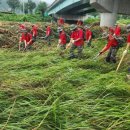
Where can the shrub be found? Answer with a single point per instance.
(91, 20)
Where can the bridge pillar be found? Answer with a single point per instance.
(108, 19)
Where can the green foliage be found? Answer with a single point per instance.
(13, 4)
(91, 20)
(22, 18)
(41, 8)
(97, 31)
(47, 18)
(29, 7)
(124, 21)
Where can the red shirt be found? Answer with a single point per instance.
(78, 34)
(26, 37)
(61, 21)
(128, 38)
(22, 27)
(79, 22)
(63, 38)
(117, 31)
(35, 30)
(111, 43)
(48, 31)
(88, 34)
(73, 35)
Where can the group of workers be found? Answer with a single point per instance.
(27, 37)
(80, 35)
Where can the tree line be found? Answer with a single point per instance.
(27, 7)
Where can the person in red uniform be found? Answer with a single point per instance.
(117, 31)
(88, 36)
(21, 27)
(61, 21)
(77, 41)
(48, 34)
(111, 29)
(34, 31)
(79, 23)
(62, 38)
(112, 46)
(26, 38)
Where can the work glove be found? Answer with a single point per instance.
(125, 52)
(58, 45)
(68, 46)
(72, 41)
(59, 41)
(100, 53)
(27, 43)
(87, 41)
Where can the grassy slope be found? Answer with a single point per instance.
(62, 94)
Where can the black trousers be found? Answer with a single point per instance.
(111, 56)
(48, 39)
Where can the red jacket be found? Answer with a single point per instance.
(63, 38)
(78, 34)
(112, 42)
(117, 31)
(128, 38)
(73, 35)
(26, 38)
(88, 34)
(61, 21)
(48, 31)
(35, 30)
(79, 22)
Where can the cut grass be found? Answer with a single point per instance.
(54, 93)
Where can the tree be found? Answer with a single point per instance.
(13, 4)
(31, 6)
(28, 7)
(42, 6)
(25, 8)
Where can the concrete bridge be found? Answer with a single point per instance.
(70, 9)
(77, 9)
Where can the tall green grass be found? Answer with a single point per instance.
(54, 93)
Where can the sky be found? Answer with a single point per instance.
(4, 5)
(48, 1)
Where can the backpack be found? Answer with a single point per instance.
(120, 41)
